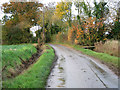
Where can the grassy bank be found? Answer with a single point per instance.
(12, 55)
(111, 61)
(36, 75)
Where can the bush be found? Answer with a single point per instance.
(15, 35)
(71, 35)
(87, 33)
(61, 37)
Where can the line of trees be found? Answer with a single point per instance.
(16, 28)
(88, 27)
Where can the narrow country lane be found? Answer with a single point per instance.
(75, 70)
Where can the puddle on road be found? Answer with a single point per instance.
(57, 76)
(70, 55)
(62, 58)
(82, 56)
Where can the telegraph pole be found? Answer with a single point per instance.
(43, 27)
(43, 32)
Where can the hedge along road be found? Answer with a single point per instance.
(75, 70)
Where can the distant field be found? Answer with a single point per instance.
(12, 55)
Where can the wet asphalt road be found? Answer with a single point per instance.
(75, 70)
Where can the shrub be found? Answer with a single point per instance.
(71, 34)
(61, 37)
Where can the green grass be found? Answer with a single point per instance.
(11, 54)
(102, 56)
(106, 58)
(36, 75)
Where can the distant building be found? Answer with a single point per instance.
(33, 29)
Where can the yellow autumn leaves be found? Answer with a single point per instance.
(62, 8)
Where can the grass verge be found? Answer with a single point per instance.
(12, 55)
(36, 76)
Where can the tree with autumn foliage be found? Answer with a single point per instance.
(24, 15)
(63, 11)
(86, 33)
(26, 10)
(50, 25)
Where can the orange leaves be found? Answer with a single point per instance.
(19, 4)
(80, 32)
(70, 35)
(87, 32)
(76, 41)
(89, 38)
(77, 36)
(58, 35)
